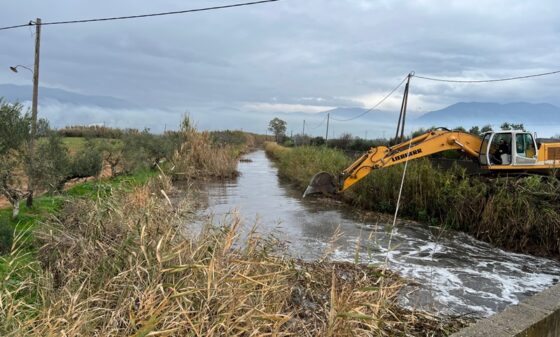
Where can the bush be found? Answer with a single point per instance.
(88, 162)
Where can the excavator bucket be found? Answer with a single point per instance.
(322, 183)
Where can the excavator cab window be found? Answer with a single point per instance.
(525, 149)
(483, 158)
(500, 149)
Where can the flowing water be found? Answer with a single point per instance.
(451, 272)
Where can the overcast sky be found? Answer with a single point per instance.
(237, 67)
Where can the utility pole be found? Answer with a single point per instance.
(402, 115)
(327, 133)
(303, 134)
(30, 182)
(292, 137)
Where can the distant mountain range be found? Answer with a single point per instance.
(23, 93)
(476, 113)
(544, 117)
(351, 112)
(460, 114)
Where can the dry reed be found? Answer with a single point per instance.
(124, 265)
(200, 157)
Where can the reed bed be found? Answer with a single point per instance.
(200, 157)
(124, 264)
(516, 213)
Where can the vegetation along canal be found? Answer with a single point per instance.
(450, 272)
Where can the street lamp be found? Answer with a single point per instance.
(15, 68)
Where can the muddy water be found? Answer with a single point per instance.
(452, 272)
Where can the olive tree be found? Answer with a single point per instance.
(15, 129)
(112, 152)
(55, 166)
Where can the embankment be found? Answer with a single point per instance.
(520, 214)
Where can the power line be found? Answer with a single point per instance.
(31, 23)
(486, 81)
(17, 26)
(375, 106)
(318, 125)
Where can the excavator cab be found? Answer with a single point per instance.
(508, 148)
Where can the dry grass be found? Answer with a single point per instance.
(124, 265)
(274, 150)
(200, 157)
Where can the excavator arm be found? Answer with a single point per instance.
(381, 157)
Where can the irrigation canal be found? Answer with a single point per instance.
(452, 273)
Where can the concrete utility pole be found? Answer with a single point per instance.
(34, 104)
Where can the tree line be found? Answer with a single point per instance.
(347, 142)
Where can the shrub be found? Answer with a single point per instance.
(88, 162)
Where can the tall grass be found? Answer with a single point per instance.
(200, 157)
(521, 214)
(300, 164)
(125, 265)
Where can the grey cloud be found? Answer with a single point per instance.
(336, 50)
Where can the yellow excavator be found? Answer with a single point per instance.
(511, 151)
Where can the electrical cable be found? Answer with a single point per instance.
(487, 81)
(320, 124)
(17, 26)
(375, 106)
(31, 23)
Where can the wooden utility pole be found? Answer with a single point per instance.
(34, 104)
(327, 133)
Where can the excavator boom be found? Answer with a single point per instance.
(381, 157)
